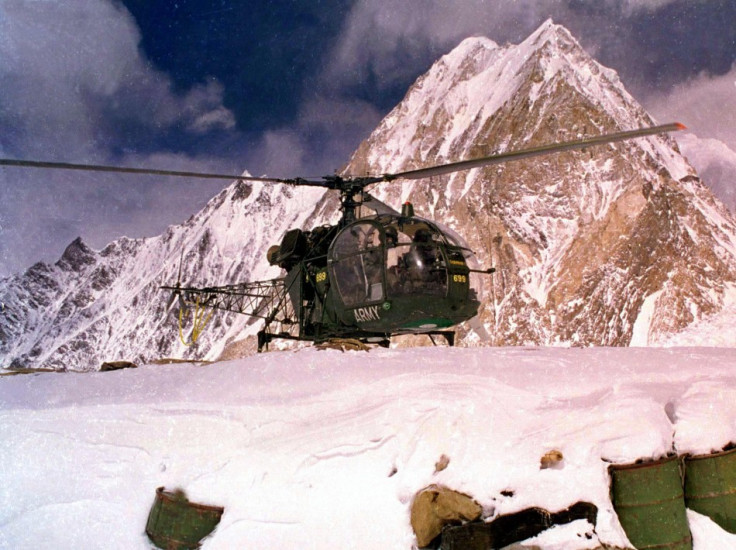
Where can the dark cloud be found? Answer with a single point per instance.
(265, 53)
(71, 76)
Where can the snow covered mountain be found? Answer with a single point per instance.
(91, 307)
(615, 245)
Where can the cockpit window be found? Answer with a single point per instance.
(389, 257)
(357, 263)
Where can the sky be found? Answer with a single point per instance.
(281, 88)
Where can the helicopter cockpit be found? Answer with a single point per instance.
(386, 264)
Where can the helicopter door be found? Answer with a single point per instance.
(357, 264)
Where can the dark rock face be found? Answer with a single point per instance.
(508, 529)
(117, 365)
(76, 256)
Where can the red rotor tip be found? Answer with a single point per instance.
(680, 126)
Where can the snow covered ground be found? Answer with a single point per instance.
(322, 449)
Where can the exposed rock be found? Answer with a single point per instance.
(552, 459)
(512, 528)
(343, 344)
(76, 255)
(436, 506)
(117, 365)
(442, 463)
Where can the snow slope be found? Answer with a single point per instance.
(617, 245)
(323, 449)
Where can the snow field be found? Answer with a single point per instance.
(322, 449)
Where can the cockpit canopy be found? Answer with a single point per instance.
(386, 257)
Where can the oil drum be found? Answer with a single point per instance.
(174, 523)
(710, 487)
(649, 500)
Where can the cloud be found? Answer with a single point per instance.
(715, 163)
(385, 38)
(76, 87)
(649, 42)
(706, 104)
(632, 6)
(204, 109)
(318, 142)
(72, 79)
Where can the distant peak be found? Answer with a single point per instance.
(470, 47)
(77, 245)
(549, 24)
(549, 31)
(76, 254)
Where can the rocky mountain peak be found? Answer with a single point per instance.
(586, 243)
(76, 255)
(551, 33)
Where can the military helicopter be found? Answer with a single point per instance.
(365, 278)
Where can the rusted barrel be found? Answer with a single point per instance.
(174, 523)
(650, 504)
(710, 487)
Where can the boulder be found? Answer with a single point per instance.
(512, 528)
(436, 506)
(117, 365)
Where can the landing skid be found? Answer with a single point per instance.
(264, 338)
(448, 335)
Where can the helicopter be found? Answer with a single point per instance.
(365, 278)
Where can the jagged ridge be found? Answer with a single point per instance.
(92, 307)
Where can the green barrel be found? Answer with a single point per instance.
(174, 523)
(650, 504)
(710, 487)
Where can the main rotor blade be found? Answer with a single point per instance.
(146, 171)
(443, 169)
